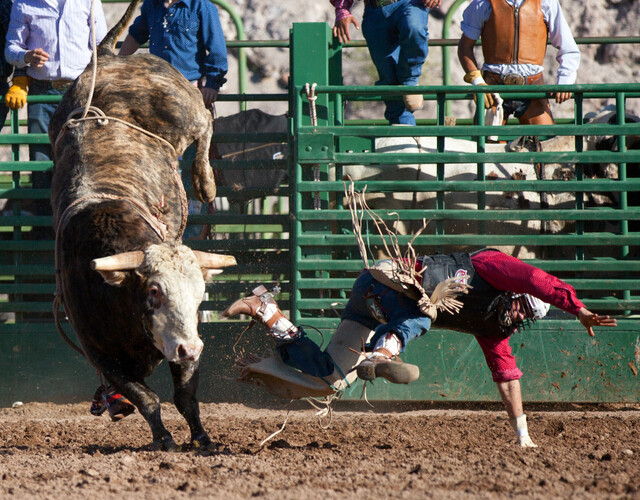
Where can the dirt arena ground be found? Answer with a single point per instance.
(391, 451)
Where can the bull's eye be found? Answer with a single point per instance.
(154, 298)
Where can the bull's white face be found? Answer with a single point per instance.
(174, 287)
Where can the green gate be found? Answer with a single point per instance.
(596, 250)
(299, 237)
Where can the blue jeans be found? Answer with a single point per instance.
(305, 355)
(401, 314)
(397, 38)
(39, 116)
(195, 206)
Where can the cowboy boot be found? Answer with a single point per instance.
(413, 102)
(384, 362)
(263, 309)
(381, 363)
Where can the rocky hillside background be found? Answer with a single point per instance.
(269, 67)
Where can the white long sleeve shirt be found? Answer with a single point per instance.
(62, 29)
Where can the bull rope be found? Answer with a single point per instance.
(102, 119)
(320, 413)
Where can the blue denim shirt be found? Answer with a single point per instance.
(188, 35)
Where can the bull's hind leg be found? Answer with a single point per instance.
(202, 180)
(185, 381)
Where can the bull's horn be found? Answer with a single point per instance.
(214, 260)
(119, 262)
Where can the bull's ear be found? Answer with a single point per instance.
(208, 274)
(114, 278)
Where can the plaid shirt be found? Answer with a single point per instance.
(5, 14)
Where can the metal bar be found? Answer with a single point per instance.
(480, 215)
(590, 239)
(475, 130)
(314, 155)
(524, 90)
(471, 186)
(603, 265)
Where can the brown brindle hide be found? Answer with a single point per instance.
(147, 92)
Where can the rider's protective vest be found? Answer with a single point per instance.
(515, 35)
(479, 313)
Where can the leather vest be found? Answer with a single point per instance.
(515, 35)
(475, 316)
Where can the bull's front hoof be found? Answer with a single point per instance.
(165, 444)
(201, 443)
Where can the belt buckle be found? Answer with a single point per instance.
(514, 79)
(384, 3)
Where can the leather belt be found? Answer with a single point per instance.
(377, 4)
(59, 85)
(510, 79)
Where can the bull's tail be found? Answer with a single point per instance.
(108, 45)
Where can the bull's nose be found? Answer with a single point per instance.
(189, 352)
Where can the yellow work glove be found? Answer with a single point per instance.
(16, 96)
(475, 78)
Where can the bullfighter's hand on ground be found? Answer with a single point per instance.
(589, 320)
(432, 4)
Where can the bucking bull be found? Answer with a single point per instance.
(130, 288)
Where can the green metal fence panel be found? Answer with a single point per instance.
(299, 237)
(551, 222)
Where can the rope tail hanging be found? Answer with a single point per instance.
(402, 271)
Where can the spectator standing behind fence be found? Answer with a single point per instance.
(514, 37)
(5, 69)
(397, 39)
(52, 39)
(188, 35)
